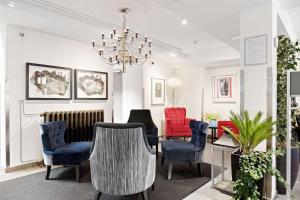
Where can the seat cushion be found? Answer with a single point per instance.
(152, 140)
(178, 151)
(72, 154)
(181, 129)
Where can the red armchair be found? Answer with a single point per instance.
(228, 124)
(177, 125)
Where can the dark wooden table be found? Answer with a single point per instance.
(213, 133)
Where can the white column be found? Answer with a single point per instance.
(258, 81)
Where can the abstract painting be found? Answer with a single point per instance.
(157, 91)
(45, 82)
(91, 85)
(224, 88)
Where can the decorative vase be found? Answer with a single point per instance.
(213, 123)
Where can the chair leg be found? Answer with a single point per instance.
(77, 170)
(98, 195)
(145, 195)
(199, 169)
(162, 160)
(170, 171)
(157, 151)
(48, 172)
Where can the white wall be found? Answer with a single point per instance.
(161, 71)
(2, 95)
(43, 48)
(132, 90)
(189, 95)
(194, 79)
(221, 108)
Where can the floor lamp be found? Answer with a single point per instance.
(174, 83)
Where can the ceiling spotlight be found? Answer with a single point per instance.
(11, 4)
(235, 37)
(172, 54)
(184, 22)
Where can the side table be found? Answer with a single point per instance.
(213, 133)
(225, 143)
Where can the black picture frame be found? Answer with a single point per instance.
(92, 97)
(43, 66)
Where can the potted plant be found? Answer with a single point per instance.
(249, 166)
(251, 133)
(287, 56)
(212, 118)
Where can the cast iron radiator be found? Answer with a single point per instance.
(80, 124)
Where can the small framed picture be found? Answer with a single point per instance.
(224, 89)
(157, 91)
(91, 85)
(46, 82)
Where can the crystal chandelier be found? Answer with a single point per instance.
(123, 46)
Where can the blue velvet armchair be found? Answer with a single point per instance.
(57, 152)
(180, 151)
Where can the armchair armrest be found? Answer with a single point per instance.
(187, 120)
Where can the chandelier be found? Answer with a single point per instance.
(123, 47)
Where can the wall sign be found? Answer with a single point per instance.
(255, 49)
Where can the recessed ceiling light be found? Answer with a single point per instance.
(235, 37)
(184, 22)
(11, 4)
(172, 54)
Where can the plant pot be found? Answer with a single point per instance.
(235, 164)
(281, 166)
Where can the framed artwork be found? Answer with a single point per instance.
(157, 91)
(256, 50)
(224, 89)
(46, 82)
(91, 85)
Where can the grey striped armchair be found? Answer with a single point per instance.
(122, 162)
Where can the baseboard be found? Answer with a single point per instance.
(23, 166)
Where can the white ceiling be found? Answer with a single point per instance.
(207, 37)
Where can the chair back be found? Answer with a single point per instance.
(228, 124)
(141, 116)
(52, 134)
(199, 134)
(122, 162)
(176, 115)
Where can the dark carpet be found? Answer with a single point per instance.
(62, 184)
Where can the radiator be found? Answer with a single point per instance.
(80, 124)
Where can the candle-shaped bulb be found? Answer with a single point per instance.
(150, 52)
(146, 38)
(146, 56)
(102, 36)
(140, 50)
(136, 34)
(114, 31)
(93, 43)
(127, 29)
(111, 36)
(103, 42)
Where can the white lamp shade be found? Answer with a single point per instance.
(174, 82)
